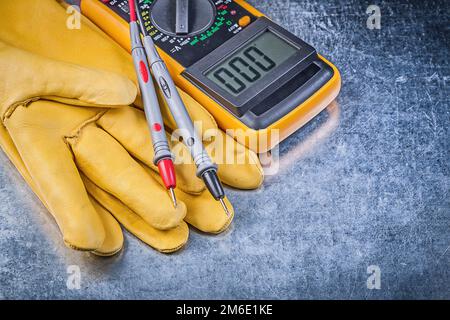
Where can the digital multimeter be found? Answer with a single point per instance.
(247, 71)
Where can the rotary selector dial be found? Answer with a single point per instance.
(183, 18)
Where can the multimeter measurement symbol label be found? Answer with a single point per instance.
(244, 68)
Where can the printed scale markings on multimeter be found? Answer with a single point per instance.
(249, 72)
(174, 44)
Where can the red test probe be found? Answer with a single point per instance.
(163, 156)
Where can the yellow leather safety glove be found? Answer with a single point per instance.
(67, 127)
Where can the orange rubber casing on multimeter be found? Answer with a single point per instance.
(271, 118)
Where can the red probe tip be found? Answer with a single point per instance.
(167, 173)
(133, 16)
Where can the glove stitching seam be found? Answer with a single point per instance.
(76, 133)
(10, 110)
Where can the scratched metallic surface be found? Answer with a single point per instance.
(366, 183)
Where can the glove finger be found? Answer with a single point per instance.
(113, 232)
(33, 77)
(55, 176)
(239, 167)
(104, 161)
(204, 212)
(163, 241)
(10, 150)
(117, 122)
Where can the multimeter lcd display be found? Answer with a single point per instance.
(253, 62)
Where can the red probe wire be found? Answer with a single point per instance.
(165, 166)
(133, 16)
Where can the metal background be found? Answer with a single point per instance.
(365, 183)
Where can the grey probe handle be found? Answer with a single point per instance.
(178, 110)
(149, 97)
